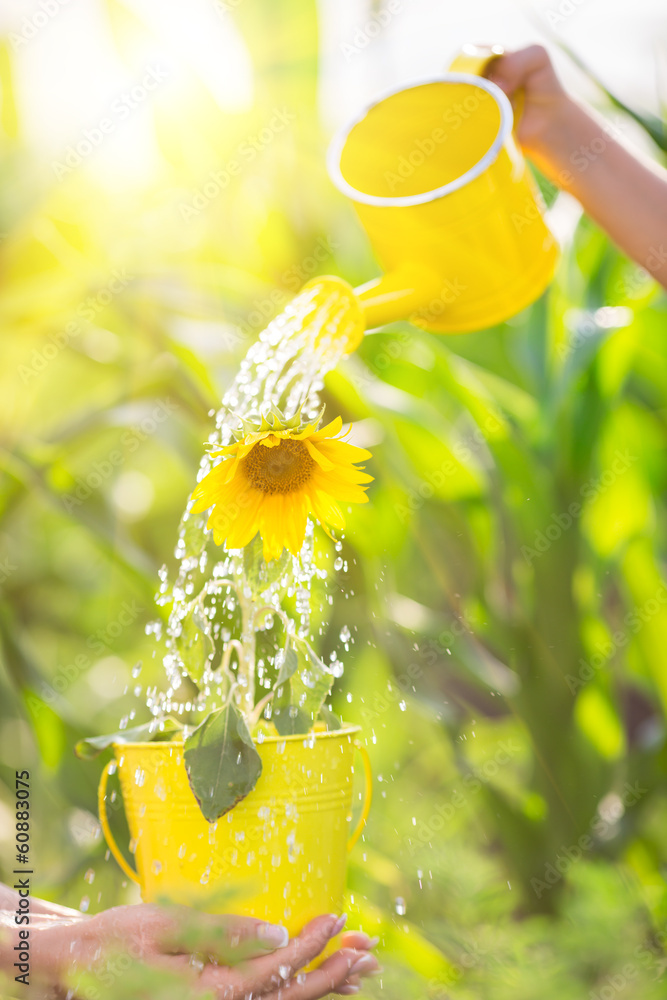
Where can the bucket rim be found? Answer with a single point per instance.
(337, 145)
(296, 737)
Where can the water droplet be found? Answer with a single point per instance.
(399, 905)
(89, 876)
(156, 867)
(84, 904)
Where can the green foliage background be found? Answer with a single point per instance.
(508, 665)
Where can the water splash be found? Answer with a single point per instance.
(285, 367)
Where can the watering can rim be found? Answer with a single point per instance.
(330, 733)
(337, 145)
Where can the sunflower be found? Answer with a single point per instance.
(274, 477)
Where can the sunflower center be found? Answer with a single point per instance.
(284, 468)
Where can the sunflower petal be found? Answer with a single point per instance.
(329, 430)
(223, 516)
(346, 474)
(341, 451)
(231, 468)
(270, 441)
(271, 521)
(246, 524)
(326, 509)
(207, 491)
(228, 449)
(337, 490)
(295, 523)
(317, 456)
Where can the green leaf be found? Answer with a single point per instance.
(258, 573)
(221, 761)
(333, 722)
(311, 685)
(290, 720)
(288, 667)
(195, 644)
(193, 533)
(92, 746)
(598, 719)
(301, 690)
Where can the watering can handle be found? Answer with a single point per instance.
(106, 829)
(368, 796)
(477, 60)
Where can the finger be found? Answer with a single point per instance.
(511, 70)
(364, 965)
(331, 977)
(261, 975)
(358, 940)
(228, 938)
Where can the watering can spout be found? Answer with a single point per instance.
(401, 294)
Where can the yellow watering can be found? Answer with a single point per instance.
(447, 201)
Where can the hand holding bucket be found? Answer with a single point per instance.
(446, 198)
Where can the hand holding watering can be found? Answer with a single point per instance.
(447, 201)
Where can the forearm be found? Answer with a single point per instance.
(9, 901)
(624, 194)
(48, 941)
(56, 949)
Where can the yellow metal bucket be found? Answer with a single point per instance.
(447, 201)
(279, 855)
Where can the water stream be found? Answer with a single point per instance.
(286, 367)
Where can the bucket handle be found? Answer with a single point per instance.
(106, 829)
(368, 796)
(131, 874)
(478, 60)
